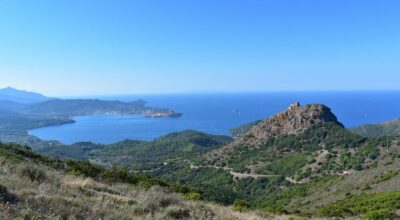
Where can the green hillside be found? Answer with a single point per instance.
(303, 171)
(243, 129)
(390, 128)
(299, 158)
(300, 162)
(139, 155)
(37, 187)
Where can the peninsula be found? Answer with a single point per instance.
(22, 111)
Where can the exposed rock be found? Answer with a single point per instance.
(295, 120)
(294, 106)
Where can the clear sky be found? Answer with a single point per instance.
(88, 47)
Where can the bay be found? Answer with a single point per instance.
(217, 113)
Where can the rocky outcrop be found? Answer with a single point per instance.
(295, 120)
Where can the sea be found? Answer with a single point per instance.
(218, 113)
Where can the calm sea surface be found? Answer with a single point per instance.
(217, 113)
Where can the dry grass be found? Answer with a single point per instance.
(45, 193)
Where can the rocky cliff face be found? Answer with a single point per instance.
(296, 119)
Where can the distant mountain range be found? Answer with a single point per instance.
(21, 96)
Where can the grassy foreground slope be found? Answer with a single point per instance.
(37, 187)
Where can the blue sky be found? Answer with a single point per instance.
(76, 47)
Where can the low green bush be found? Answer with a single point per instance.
(34, 173)
(379, 214)
(373, 206)
(387, 176)
(178, 212)
(241, 205)
(192, 196)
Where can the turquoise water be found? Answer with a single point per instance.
(217, 113)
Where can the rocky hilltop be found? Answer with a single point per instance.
(301, 160)
(290, 138)
(295, 120)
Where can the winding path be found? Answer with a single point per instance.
(241, 175)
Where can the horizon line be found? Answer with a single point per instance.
(227, 92)
(210, 92)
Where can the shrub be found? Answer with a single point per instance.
(204, 211)
(371, 206)
(33, 173)
(166, 201)
(288, 165)
(5, 196)
(387, 176)
(297, 218)
(85, 168)
(241, 205)
(140, 210)
(379, 214)
(192, 196)
(366, 187)
(116, 175)
(178, 212)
